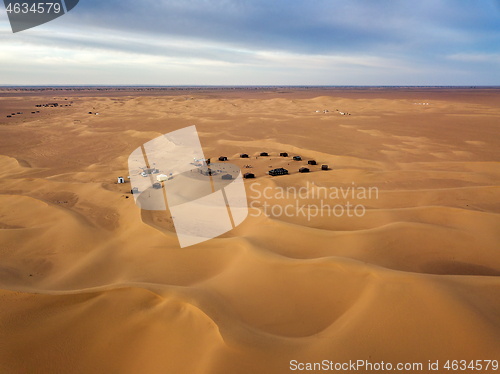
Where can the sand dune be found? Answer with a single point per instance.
(90, 283)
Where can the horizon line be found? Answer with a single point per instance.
(238, 86)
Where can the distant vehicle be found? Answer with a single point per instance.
(297, 158)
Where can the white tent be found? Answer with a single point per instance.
(161, 178)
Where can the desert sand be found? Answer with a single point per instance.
(92, 284)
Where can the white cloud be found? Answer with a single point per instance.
(254, 42)
(476, 57)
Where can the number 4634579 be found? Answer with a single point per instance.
(35, 8)
(472, 365)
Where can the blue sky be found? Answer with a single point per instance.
(259, 42)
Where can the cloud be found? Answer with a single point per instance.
(473, 58)
(295, 41)
(304, 26)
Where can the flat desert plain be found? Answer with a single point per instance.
(90, 283)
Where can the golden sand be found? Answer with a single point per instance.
(92, 284)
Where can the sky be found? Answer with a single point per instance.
(258, 42)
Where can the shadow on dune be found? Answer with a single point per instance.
(457, 268)
(23, 163)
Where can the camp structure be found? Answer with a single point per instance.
(157, 185)
(303, 170)
(134, 190)
(200, 161)
(150, 171)
(283, 154)
(248, 175)
(297, 158)
(279, 171)
(222, 158)
(264, 154)
(205, 171)
(227, 177)
(121, 180)
(311, 162)
(244, 155)
(162, 178)
(324, 167)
